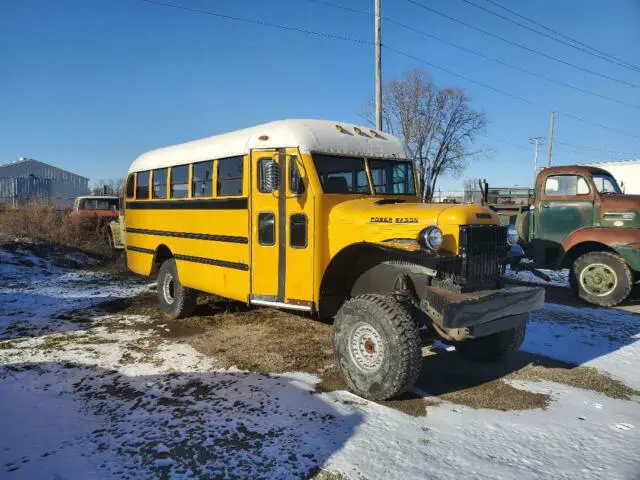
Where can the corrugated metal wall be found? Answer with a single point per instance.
(29, 180)
(42, 170)
(15, 192)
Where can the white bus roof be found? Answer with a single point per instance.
(309, 135)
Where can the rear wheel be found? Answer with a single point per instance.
(175, 300)
(493, 347)
(602, 278)
(376, 343)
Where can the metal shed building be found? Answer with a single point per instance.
(27, 180)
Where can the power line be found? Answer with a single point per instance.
(399, 52)
(479, 54)
(341, 7)
(588, 149)
(519, 45)
(260, 22)
(546, 35)
(508, 94)
(560, 34)
(510, 65)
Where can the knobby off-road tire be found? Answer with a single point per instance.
(376, 344)
(175, 300)
(602, 278)
(492, 347)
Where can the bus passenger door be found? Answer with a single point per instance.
(299, 227)
(267, 282)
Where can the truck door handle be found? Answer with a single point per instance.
(544, 204)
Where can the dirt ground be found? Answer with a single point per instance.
(267, 341)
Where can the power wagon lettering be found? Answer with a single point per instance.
(397, 220)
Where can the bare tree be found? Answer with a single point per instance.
(112, 186)
(438, 125)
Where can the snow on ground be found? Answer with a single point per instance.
(34, 289)
(604, 338)
(106, 396)
(559, 278)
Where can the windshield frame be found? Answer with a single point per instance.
(411, 176)
(370, 188)
(601, 175)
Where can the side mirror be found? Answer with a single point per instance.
(272, 176)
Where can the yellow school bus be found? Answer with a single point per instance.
(324, 217)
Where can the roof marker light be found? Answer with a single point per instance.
(340, 129)
(263, 137)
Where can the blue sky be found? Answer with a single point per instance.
(88, 85)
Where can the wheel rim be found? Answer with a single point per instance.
(168, 289)
(598, 279)
(366, 348)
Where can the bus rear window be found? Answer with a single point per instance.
(341, 174)
(131, 186)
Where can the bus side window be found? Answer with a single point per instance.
(180, 181)
(202, 179)
(142, 185)
(230, 176)
(298, 230)
(159, 183)
(131, 185)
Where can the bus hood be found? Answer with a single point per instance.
(382, 219)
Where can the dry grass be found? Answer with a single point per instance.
(45, 223)
(271, 341)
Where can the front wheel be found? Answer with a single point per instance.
(602, 278)
(175, 300)
(376, 343)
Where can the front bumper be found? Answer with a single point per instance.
(453, 310)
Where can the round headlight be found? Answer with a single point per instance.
(430, 237)
(512, 235)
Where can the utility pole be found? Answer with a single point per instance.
(550, 144)
(378, 69)
(536, 143)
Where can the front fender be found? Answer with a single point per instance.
(625, 241)
(609, 236)
(116, 234)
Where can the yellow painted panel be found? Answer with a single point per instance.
(264, 258)
(299, 283)
(139, 263)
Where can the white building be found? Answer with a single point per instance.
(626, 172)
(26, 180)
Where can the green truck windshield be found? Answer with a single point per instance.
(605, 183)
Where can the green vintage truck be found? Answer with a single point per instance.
(577, 217)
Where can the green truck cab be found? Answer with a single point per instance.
(578, 218)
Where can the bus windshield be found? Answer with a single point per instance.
(392, 177)
(340, 174)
